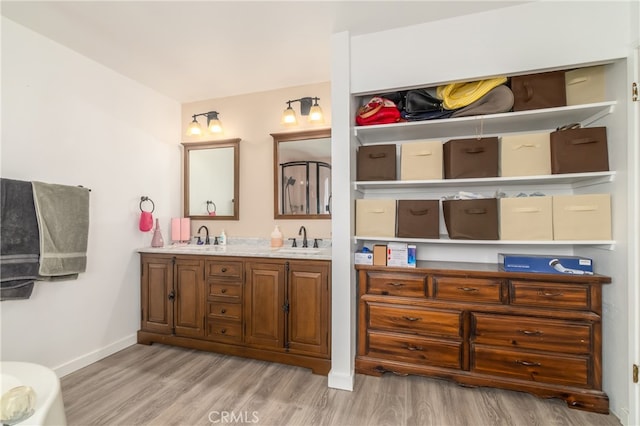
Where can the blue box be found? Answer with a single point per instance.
(566, 265)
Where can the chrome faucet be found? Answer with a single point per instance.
(206, 239)
(303, 232)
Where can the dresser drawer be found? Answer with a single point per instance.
(397, 284)
(531, 333)
(468, 289)
(415, 320)
(439, 353)
(224, 331)
(545, 368)
(550, 295)
(224, 269)
(231, 311)
(222, 291)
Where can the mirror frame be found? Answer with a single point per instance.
(223, 143)
(290, 137)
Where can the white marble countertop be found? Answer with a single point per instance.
(258, 248)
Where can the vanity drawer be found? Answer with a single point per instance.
(224, 331)
(531, 333)
(461, 289)
(550, 295)
(223, 291)
(232, 311)
(415, 320)
(397, 284)
(544, 368)
(224, 269)
(440, 353)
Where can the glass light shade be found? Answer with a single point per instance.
(194, 128)
(315, 115)
(289, 116)
(215, 126)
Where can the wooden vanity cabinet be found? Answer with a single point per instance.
(264, 308)
(479, 326)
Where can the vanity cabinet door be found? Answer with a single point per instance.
(264, 304)
(156, 287)
(308, 300)
(190, 298)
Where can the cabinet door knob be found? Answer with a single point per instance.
(172, 295)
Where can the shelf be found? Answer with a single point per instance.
(573, 179)
(508, 122)
(444, 239)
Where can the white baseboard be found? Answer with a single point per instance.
(341, 381)
(91, 357)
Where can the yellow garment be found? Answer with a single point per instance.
(458, 95)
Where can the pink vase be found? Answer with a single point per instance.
(157, 240)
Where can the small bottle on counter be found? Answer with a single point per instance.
(223, 239)
(276, 237)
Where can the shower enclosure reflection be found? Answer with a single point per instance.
(302, 174)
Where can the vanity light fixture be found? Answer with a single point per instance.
(308, 107)
(213, 124)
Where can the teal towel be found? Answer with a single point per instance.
(63, 221)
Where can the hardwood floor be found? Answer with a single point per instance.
(164, 385)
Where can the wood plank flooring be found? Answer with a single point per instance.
(164, 385)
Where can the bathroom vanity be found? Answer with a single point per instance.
(262, 303)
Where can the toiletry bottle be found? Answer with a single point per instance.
(223, 238)
(276, 237)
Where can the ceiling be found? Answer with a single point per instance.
(197, 50)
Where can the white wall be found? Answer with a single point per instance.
(68, 120)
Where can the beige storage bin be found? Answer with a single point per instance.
(421, 160)
(526, 154)
(585, 85)
(582, 217)
(376, 218)
(526, 218)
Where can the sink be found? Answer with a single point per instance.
(299, 250)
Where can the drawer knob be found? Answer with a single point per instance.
(411, 318)
(223, 311)
(467, 289)
(396, 284)
(415, 348)
(224, 290)
(224, 269)
(550, 294)
(528, 363)
(223, 331)
(531, 333)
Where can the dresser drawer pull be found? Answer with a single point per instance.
(224, 290)
(467, 289)
(223, 331)
(531, 333)
(415, 348)
(528, 364)
(411, 318)
(380, 369)
(396, 284)
(223, 311)
(549, 294)
(224, 269)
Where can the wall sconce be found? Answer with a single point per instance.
(213, 124)
(308, 107)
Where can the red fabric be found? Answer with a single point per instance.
(378, 111)
(146, 221)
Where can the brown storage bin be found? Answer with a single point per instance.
(376, 162)
(418, 219)
(579, 150)
(535, 91)
(471, 158)
(471, 219)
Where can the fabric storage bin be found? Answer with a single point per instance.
(585, 85)
(526, 218)
(471, 219)
(535, 91)
(421, 160)
(376, 218)
(582, 217)
(376, 162)
(525, 155)
(471, 158)
(579, 150)
(418, 219)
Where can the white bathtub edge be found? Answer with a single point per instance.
(91, 357)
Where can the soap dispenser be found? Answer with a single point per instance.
(276, 237)
(223, 238)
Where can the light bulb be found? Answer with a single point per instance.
(315, 114)
(194, 128)
(215, 126)
(289, 116)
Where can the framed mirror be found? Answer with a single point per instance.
(211, 173)
(302, 174)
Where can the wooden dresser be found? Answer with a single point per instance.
(479, 326)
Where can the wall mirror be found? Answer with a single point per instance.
(302, 174)
(211, 187)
